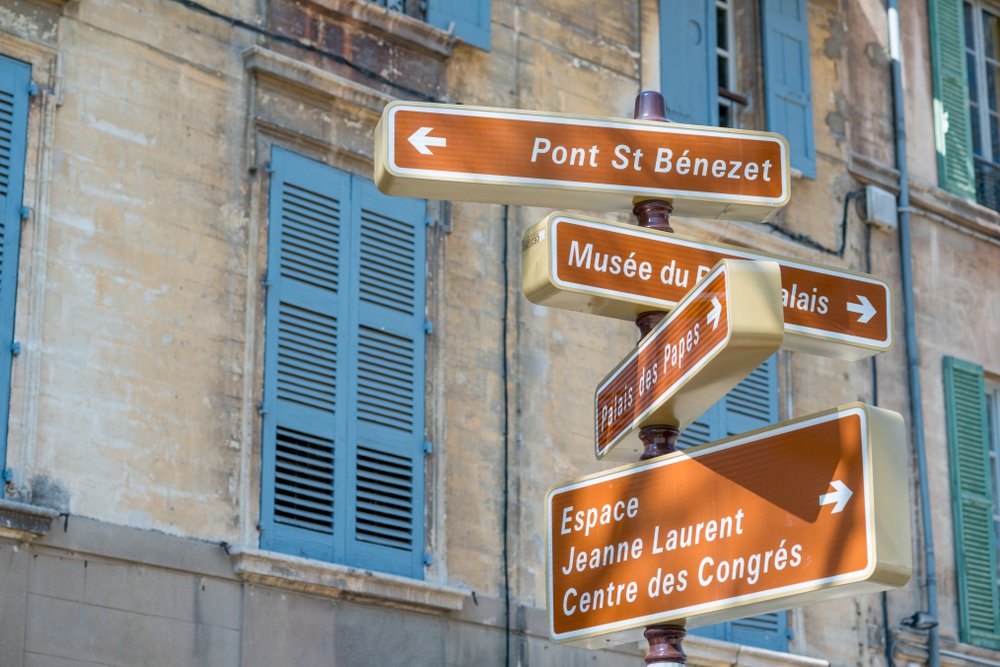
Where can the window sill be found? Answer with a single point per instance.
(341, 582)
(23, 522)
(705, 652)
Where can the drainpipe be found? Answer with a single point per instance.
(912, 355)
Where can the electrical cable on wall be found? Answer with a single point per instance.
(329, 55)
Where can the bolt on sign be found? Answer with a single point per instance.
(616, 270)
(508, 156)
(791, 514)
(725, 328)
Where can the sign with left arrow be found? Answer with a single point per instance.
(785, 516)
(725, 328)
(506, 156)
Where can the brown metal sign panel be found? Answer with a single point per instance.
(723, 329)
(508, 156)
(778, 518)
(616, 270)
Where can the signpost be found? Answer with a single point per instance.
(724, 329)
(576, 263)
(792, 514)
(547, 159)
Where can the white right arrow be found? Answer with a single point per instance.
(865, 309)
(421, 140)
(838, 498)
(713, 315)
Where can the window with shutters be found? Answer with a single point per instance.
(711, 60)
(343, 404)
(15, 81)
(751, 405)
(469, 20)
(972, 407)
(982, 58)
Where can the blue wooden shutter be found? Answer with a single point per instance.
(387, 401)
(787, 83)
(688, 62)
(15, 78)
(305, 425)
(752, 404)
(952, 126)
(972, 503)
(469, 20)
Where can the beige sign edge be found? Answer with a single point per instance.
(890, 562)
(394, 180)
(542, 287)
(755, 319)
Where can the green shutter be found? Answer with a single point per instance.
(972, 503)
(343, 409)
(952, 131)
(15, 78)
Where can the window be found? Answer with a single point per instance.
(982, 57)
(15, 81)
(700, 61)
(469, 20)
(971, 407)
(343, 407)
(751, 405)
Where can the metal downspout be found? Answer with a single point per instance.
(912, 354)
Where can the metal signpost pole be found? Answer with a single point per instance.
(658, 439)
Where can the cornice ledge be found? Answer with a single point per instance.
(341, 582)
(24, 522)
(394, 25)
(312, 79)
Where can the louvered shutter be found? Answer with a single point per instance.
(15, 78)
(305, 426)
(787, 82)
(952, 127)
(972, 503)
(387, 404)
(752, 404)
(688, 70)
(469, 20)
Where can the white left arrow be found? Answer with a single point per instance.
(713, 315)
(421, 140)
(864, 308)
(838, 498)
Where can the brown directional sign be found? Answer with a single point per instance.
(617, 270)
(725, 328)
(545, 159)
(782, 517)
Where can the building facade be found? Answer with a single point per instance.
(257, 412)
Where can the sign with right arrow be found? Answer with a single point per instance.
(777, 518)
(617, 270)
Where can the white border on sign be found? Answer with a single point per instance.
(493, 179)
(707, 607)
(882, 343)
(689, 298)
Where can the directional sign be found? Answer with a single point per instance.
(616, 270)
(545, 159)
(782, 517)
(725, 328)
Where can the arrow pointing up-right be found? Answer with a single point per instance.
(715, 313)
(863, 308)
